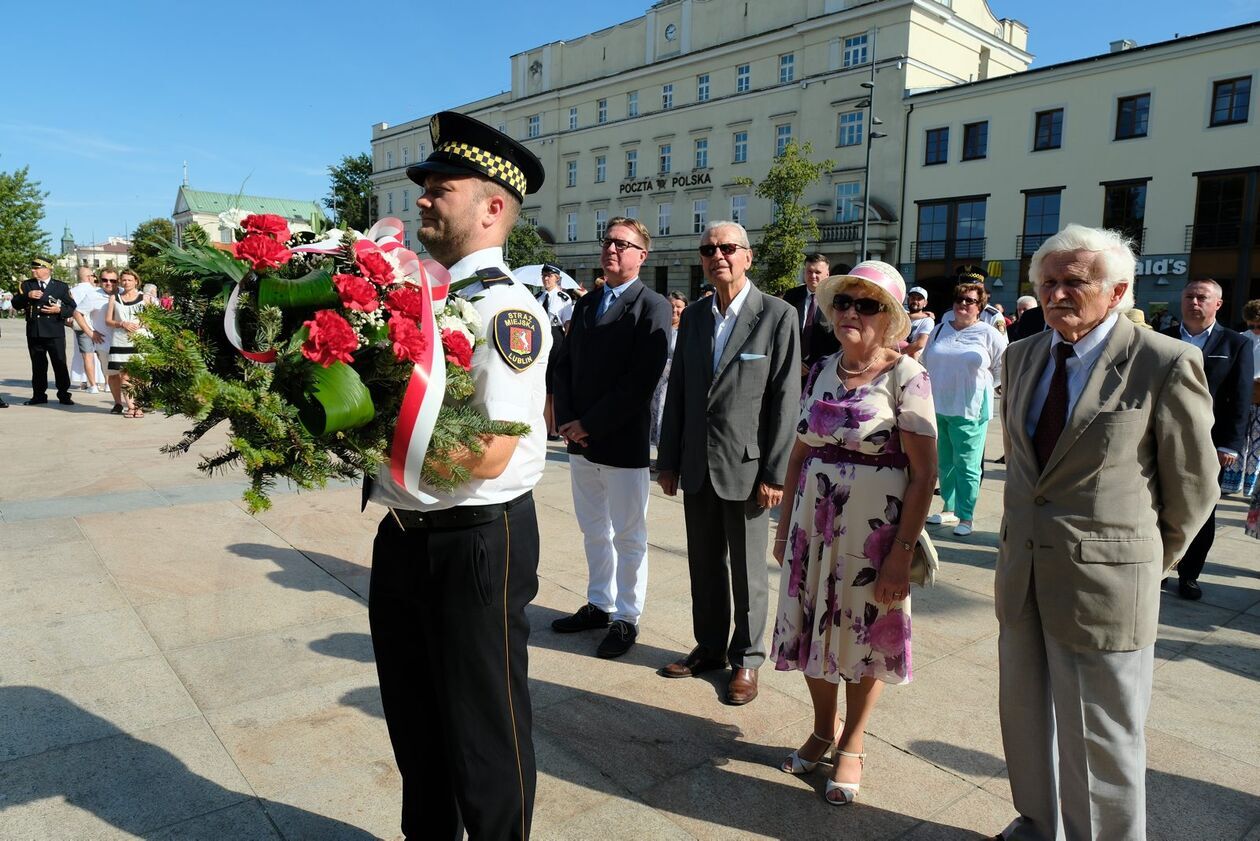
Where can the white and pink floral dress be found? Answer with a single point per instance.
(844, 517)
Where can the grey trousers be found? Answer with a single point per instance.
(726, 555)
(1092, 706)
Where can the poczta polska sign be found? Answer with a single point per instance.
(648, 185)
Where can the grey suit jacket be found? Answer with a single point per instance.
(1130, 482)
(737, 423)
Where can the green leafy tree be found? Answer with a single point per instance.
(526, 248)
(351, 186)
(22, 236)
(145, 255)
(783, 241)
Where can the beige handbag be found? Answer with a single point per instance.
(924, 562)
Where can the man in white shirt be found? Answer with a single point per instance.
(88, 299)
(921, 321)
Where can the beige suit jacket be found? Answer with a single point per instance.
(1130, 482)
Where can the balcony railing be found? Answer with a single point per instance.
(840, 232)
(1214, 235)
(1026, 245)
(958, 249)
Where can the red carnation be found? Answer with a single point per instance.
(375, 268)
(261, 252)
(409, 341)
(459, 350)
(330, 339)
(267, 224)
(356, 293)
(406, 301)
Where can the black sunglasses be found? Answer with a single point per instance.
(968, 302)
(863, 306)
(620, 244)
(727, 248)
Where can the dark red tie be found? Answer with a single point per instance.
(1054, 414)
(808, 331)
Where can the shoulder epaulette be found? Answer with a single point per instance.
(492, 276)
(564, 296)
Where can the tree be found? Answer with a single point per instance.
(145, 256)
(783, 241)
(526, 248)
(351, 186)
(22, 236)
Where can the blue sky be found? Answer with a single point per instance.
(107, 100)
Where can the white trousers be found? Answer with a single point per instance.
(611, 507)
(1092, 705)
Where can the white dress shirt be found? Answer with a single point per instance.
(723, 323)
(1085, 355)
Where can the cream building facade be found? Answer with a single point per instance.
(659, 117)
(1161, 141)
(202, 208)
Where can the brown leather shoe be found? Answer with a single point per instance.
(693, 664)
(742, 688)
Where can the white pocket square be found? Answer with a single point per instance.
(749, 357)
(1218, 356)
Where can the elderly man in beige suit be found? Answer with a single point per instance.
(1110, 470)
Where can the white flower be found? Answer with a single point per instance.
(232, 217)
(466, 312)
(447, 321)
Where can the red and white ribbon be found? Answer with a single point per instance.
(234, 334)
(427, 387)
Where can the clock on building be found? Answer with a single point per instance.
(671, 32)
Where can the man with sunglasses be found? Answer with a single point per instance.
(729, 421)
(611, 361)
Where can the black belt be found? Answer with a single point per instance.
(459, 517)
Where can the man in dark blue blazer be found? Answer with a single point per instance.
(818, 340)
(48, 304)
(603, 383)
(1229, 366)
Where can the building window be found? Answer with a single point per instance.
(741, 147)
(632, 104)
(601, 223)
(855, 50)
(702, 153)
(601, 168)
(406, 200)
(421, 150)
(570, 227)
(782, 135)
(702, 88)
(1132, 115)
(951, 230)
(502, 128)
(936, 146)
(390, 200)
(570, 173)
(850, 132)
(663, 213)
(739, 209)
(1231, 100)
(406, 150)
(1049, 134)
(601, 111)
(1218, 211)
(1124, 209)
(572, 117)
(666, 156)
(227, 236)
(533, 126)
(1041, 219)
(632, 164)
(848, 201)
(787, 68)
(667, 96)
(743, 78)
(975, 141)
(389, 160)
(699, 215)
(631, 212)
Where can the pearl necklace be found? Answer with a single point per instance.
(856, 373)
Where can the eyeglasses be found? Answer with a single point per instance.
(108, 280)
(862, 306)
(620, 244)
(727, 248)
(967, 302)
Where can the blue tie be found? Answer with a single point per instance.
(604, 303)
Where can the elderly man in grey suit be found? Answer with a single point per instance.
(730, 414)
(1110, 470)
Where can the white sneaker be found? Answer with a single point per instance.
(963, 528)
(94, 390)
(945, 518)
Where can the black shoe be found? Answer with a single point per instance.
(65, 401)
(3, 405)
(1163, 583)
(621, 635)
(587, 618)
(1189, 590)
(35, 401)
(117, 410)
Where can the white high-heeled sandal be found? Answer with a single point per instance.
(795, 765)
(848, 791)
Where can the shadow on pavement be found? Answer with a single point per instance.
(295, 569)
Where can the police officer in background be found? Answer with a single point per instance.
(558, 305)
(990, 315)
(48, 304)
(453, 571)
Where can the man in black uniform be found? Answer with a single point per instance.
(452, 571)
(48, 304)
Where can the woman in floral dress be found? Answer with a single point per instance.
(863, 466)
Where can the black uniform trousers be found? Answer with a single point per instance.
(447, 612)
(43, 349)
(1190, 567)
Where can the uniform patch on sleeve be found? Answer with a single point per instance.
(518, 337)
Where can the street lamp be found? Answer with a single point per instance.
(869, 104)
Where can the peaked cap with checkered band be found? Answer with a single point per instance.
(462, 145)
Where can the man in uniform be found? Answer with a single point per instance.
(452, 572)
(48, 304)
(558, 305)
(990, 315)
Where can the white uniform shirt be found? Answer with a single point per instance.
(501, 393)
(964, 365)
(558, 305)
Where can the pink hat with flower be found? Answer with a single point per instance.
(881, 279)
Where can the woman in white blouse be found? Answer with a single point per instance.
(964, 361)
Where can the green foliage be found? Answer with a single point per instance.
(194, 236)
(348, 194)
(781, 251)
(148, 242)
(21, 217)
(526, 248)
